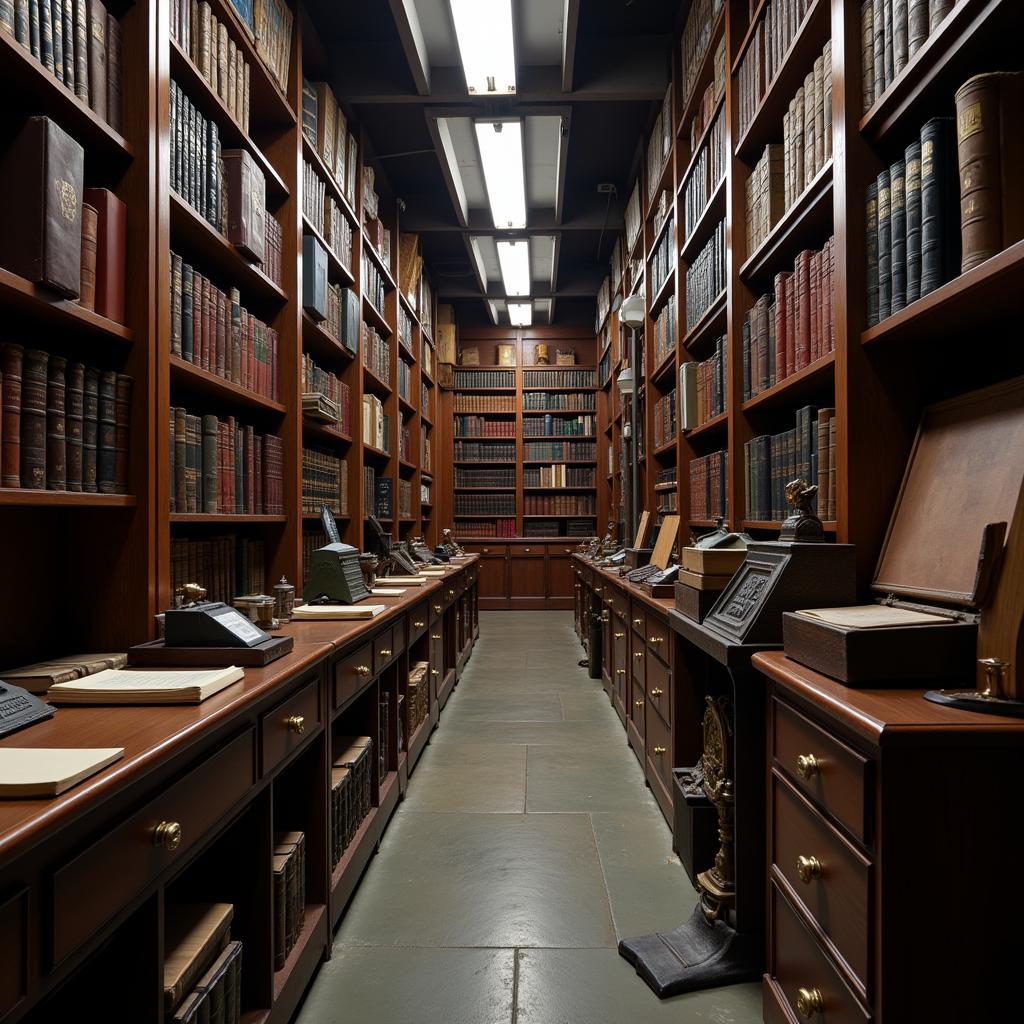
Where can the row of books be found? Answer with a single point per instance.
(469, 451)
(404, 329)
(351, 791)
(487, 528)
(374, 285)
(377, 353)
(63, 426)
(558, 426)
(326, 128)
(892, 32)
(269, 24)
(405, 444)
(790, 329)
(405, 380)
(211, 329)
(223, 467)
(425, 453)
(560, 451)
(665, 419)
(318, 381)
(556, 379)
(668, 504)
(708, 486)
(289, 885)
(633, 216)
(806, 452)
(465, 477)
(376, 423)
(484, 378)
(706, 175)
(569, 527)
(425, 497)
(662, 260)
(559, 475)
(582, 400)
(700, 21)
(559, 504)
(405, 499)
(336, 308)
(704, 387)
(659, 145)
(807, 129)
(705, 277)
(324, 482)
(666, 330)
(226, 566)
(324, 214)
(378, 494)
(772, 38)
(666, 478)
(487, 403)
(713, 95)
(425, 410)
(196, 160)
(480, 426)
(79, 43)
(273, 259)
(205, 38)
(485, 504)
(202, 967)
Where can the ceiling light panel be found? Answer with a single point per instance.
(514, 258)
(520, 314)
(484, 32)
(501, 153)
(485, 251)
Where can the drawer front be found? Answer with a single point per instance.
(658, 637)
(114, 870)
(448, 592)
(559, 550)
(620, 605)
(351, 674)
(14, 941)
(832, 774)
(659, 687)
(638, 621)
(659, 750)
(637, 657)
(802, 971)
(526, 550)
(418, 619)
(436, 659)
(829, 877)
(436, 607)
(383, 649)
(497, 550)
(398, 638)
(286, 726)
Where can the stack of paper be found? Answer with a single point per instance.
(48, 771)
(141, 686)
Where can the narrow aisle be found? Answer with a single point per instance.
(527, 846)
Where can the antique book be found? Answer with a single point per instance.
(90, 428)
(176, 266)
(45, 35)
(106, 474)
(340, 145)
(314, 278)
(900, 30)
(247, 203)
(187, 314)
(48, 771)
(11, 359)
(81, 36)
(111, 247)
(326, 612)
(122, 422)
(194, 935)
(33, 419)
(826, 101)
(898, 235)
(917, 25)
(136, 686)
(867, 54)
(56, 446)
(33, 27)
(57, 29)
(115, 113)
(98, 57)
(940, 239)
(871, 616)
(878, 48)
(87, 287)
(937, 10)
(887, 6)
(884, 246)
(327, 116)
(309, 111)
(41, 206)
(75, 398)
(20, 16)
(67, 20)
(912, 203)
(990, 150)
(7, 17)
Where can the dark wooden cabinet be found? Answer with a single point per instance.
(493, 579)
(560, 578)
(528, 585)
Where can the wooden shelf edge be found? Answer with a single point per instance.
(226, 517)
(186, 371)
(709, 317)
(701, 230)
(26, 497)
(312, 156)
(333, 259)
(377, 317)
(819, 369)
(708, 426)
(663, 294)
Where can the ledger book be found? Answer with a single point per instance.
(138, 686)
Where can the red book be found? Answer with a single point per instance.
(220, 319)
(257, 461)
(830, 295)
(815, 278)
(111, 235)
(209, 327)
(781, 327)
(802, 270)
(250, 471)
(790, 324)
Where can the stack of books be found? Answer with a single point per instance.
(289, 868)
(351, 791)
(202, 966)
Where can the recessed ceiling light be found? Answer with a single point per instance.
(501, 153)
(520, 314)
(514, 258)
(484, 31)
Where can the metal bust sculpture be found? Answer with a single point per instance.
(803, 524)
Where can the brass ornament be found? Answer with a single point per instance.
(803, 524)
(717, 885)
(67, 198)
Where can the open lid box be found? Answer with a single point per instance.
(941, 550)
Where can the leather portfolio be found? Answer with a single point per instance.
(940, 555)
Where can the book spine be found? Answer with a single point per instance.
(11, 362)
(898, 235)
(939, 240)
(122, 425)
(900, 32)
(33, 420)
(106, 477)
(21, 32)
(73, 428)
(912, 199)
(937, 10)
(871, 249)
(878, 48)
(57, 30)
(867, 54)
(56, 411)
(68, 42)
(33, 27)
(884, 246)
(917, 25)
(210, 448)
(81, 19)
(90, 429)
(46, 35)
(7, 17)
(978, 153)
(114, 75)
(87, 288)
(889, 40)
(98, 58)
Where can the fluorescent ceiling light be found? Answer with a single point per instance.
(484, 32)
(492, 308)
(520, 314)
(514, 258)
(501, 153)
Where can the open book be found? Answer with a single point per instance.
(328, 612)
(142, 686)
(48, 771)
(872, 616)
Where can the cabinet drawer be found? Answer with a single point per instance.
(351, 674)
(114, 870)
(288, 724)
(637, 657)
(398, 639)
(418, 619)
(526, 550)
(802, 970)
(822, 767)
(658, 637)
(638, 621)
(659, 688)
(497, 550)
(14, 941)
(836, 892)
(559, 550)
(659, 751)
(619, 605)
(436, 607)
(383, 649)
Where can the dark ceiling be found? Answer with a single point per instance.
(358, 47)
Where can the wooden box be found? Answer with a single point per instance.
(941, 550)
(713, 561)
(693, 602)
(638, 557)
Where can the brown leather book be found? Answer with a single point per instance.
(33, 420)
(247, 203)
(111, 235)
(990, 151)
(937, 10)
(41, 206)
(115, 103)
(73, 428)
(87, 288)
(81, 35)
(11, 357)
(802, 276)
(122, 422)
(98, 58)
(180, 455)
(90, 428)
(56, 446)
(106, 479)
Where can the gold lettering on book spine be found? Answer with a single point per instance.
(67, 198)
(968, 122)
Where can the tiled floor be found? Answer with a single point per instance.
(527, 846)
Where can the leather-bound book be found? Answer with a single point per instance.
(917, 25)
(68, 41)
(937, 10)
(20, 30)
(11, 359)
(890, 74)
(990, 151)
(940, 235)
(81, 35)
(247, 203)
(41, 206)
(56, 411)
(220, 331)
(309, 111)
(912, 201)
(814, 277)
(327, 116)
(802, 274)
(122, 428)
(878, 47)
(75, 399)
(180, 458)
(210, 431)
(7, 17)
(175, 304)
(33, 420)
(235, 336)
(871, 249)
(98, 58)
(867, 53)
(884, 246)
(187, 322)
(900, 31)
(90, 428)
(211, 157)
(57, 31)
(314, 278)
(782, 283)
(106, 474)
(898, 235)
(87, 287)
(46, 35)
(33, 27)
(111, 243)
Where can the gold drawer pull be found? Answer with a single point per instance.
(435, 636)
(608, 602)
(362, 670)
(487, 551)
(659, 751)
(638, 623)
(655, 639)
(168, 835)
(620, 671)
(618, 636)
(295, 724)
(437, 608)
(807, 766)
(638, 654)
(451, 593)
(434, 672)
(638, 703)
(418, 625)
(576, 585)
(808, 868)
(656, 693)
(385, 652)
(527, 550)
(809, 1001)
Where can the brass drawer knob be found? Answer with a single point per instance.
(659, 751)
(807, 766)
(620, 671)
(655, 639)
(527, 550)
(362, 670)
(418, 625)
(618, 636)
(487, 551)
(434, 672)
(656, 693)
(808, 868)
(435, 636)
(576, 585)
(638, 623)
(295, 724)
(638, 703)
(608, 602)
(451, 593)
(638, 654)
(809, 1001)
(437, 608)
(385, 652)
(168, 835)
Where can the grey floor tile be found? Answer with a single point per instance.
(469, 776)
(412, 986)
(562, 780)
(587, 706)
(583, 736)
(507, 707)
(596, 986)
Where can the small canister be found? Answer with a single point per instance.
(284, 596)
(369, 563)
(263, 608)
(541, 355)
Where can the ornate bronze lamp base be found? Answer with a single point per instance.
(990, 701)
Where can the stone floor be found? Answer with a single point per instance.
(526, 847)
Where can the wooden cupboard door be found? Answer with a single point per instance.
(528, 581)
(560, 577)
(493, 577)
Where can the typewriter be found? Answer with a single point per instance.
(653, 575)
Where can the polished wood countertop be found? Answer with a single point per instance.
(662, 605)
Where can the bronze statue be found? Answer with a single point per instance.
(803, 524)
(188, 595)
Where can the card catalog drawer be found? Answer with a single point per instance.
(559, 550)
(418, 619)
(286, 726)
(830, 879)
(638, 620)
(114, 870)
(824, 769)
(383, 649)
(351, 674)
(659, 688)
(658, 637)
(436, 608)
(810, 984)
(619, 604)
(659, 750)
